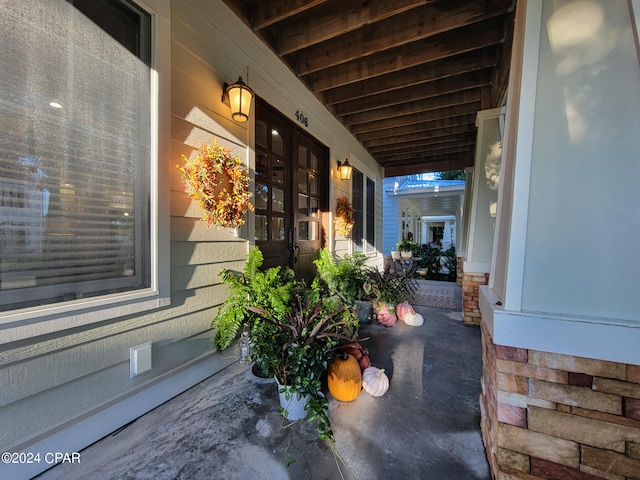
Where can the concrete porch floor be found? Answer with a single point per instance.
(427, 426)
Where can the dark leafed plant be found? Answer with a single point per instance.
(389, 287)
(298, 346)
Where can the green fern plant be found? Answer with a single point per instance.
(270, 289)
(342, 277)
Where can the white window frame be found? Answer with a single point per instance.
(35, 321)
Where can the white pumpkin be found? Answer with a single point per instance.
(374, 381)
(414, 319)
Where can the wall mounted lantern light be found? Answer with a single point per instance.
(238, 96)
(344, 170)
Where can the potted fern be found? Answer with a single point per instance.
(344, 278)
(294, 331)
(271, 289)
(407, 248)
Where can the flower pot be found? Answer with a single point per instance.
(395, 255)
(406, 255)
(364, 310)
(292, 403)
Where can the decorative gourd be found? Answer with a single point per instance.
(344, 377)
(360, 353)
(375, 382)
(414, 319)
(402, 309)
(385, 315)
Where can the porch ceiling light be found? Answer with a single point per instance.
(238, 96)
(344, 170)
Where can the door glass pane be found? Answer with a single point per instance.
(302, 157)
(261, 133)
(313, 162)
(303, 230)
(313, 207)
(303, 205)
(277, 143)
(313, 230)
(262, 223)
(303, 181)
(277, 204)
(278, 171)
(262, 196)
(313, 185)
(262, 165)
(277, 228)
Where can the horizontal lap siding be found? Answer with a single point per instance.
(53, 379)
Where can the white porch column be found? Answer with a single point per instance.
(446, 236)
(425, 232)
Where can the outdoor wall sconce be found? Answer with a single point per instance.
(238, 96)
(344, 170)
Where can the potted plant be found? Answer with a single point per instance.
(271, 289)
(406, 248)
(344, 278)
(297, 346)
(387, 289)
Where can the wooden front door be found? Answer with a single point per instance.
(291, 193)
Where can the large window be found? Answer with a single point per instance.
(75, 150)
(363, 202)
(371, 210)
(357, 202)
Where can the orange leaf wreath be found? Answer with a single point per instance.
(219, 183)
(344, 216)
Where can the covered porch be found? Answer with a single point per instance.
(426, 426)
(536, 373)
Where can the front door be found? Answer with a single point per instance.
(291, 193)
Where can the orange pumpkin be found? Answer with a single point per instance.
(344, 378)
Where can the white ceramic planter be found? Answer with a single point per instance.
(292, 403)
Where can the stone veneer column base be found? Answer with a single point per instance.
(552, 416)
(470, 290)
(459, 270)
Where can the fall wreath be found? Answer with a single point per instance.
(219, 183)
(344, 216)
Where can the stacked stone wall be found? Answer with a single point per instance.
(471, 283)
(552, 416)
(459, 270)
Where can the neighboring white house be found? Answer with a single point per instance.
(421, 208)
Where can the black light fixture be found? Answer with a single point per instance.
(238, 96)
(344, 170)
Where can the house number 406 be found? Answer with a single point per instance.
(302, 118)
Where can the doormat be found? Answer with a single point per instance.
(430, 295)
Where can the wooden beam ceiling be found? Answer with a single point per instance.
(406, 77)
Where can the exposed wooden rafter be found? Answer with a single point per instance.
(405, 76)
